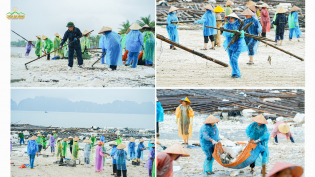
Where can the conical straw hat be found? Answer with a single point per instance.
(295, 8)
(38, 36)
(33, 138)
(152, 139)
(209, 7)
(284, 128)
(296, 171)
(113, 143)
(176, 149)
(233, 15)
(56, 34)
(211, 119)
(141, 140)
(218, 9)
(249, 3)
(121, 146)
(87, 141)
(85, 32)
(105, 28)
(146, 26)
(172, 9)
(65, 139)
(100, 143)
(76, 138)
(70, 137)
(247, 12)
(281, 10)
(31, 40)
(135, 26)
(228, 3)
(252, 7)
(185, 99)
(131, 139)
(59, 139)
(264, 5)
(260, 119)
(44, 37)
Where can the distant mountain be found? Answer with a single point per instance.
(65, 105)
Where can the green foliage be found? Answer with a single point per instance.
(19, 43)
(94, 40)
(146, 21)
(125, 26)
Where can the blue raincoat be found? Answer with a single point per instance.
(172, 29)
(121, 156)
(261, 132)
(208, 132)
(134, 43)
(235, 49)
(294, 29)
(103, 139)
(113, 153)
(132, 150)
(208, 19)
(32, 147)
(254, 29)
(139, 151)
(110, 43)
(159, 112)
(87, 150)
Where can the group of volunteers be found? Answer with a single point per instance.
(92, 151)
(139, 46)
(212, 18)
(257, 133)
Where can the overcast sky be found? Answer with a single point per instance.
(93, 95)
(49, 17)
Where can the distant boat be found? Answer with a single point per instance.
(46, 112)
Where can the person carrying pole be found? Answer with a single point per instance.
(28, 47)
(171, 28)
(49, 45)
(38, 46)
(72, 34)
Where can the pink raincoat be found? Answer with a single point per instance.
(276, 132)
(99, 158)
(164, 165)
(265, 20)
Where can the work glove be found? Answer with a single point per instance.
(75, 39)
(232, 34)
(242, 35)
(214, 142)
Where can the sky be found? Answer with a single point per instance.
(99, 96)
(50, 17)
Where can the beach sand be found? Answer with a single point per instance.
(235, 131)
(180, 68)
(42, 71)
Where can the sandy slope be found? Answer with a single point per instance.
(43, 70)
(182, 69)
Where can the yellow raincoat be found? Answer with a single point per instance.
(180, 117)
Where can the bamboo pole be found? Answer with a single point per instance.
(52, 51)
(186, 21)
(191, 51)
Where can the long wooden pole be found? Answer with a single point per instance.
(191, 51)
(53, 51)
(186, 21)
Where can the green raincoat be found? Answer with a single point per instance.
(123, 41)
(39, 140)
(118, 141)
(64, 148)
(228, 10)
(59, 149)
(75, 150)
(44, 142)
(38, 47)
(85, 42)
(153, 168)
(93, 140)
(64, 50)
(104, 151)
(49, 45)
(57, 42)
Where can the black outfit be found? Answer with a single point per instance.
(113, 67)
(157, 127)
(291, 138)
(48, 57)
(40, 147)
(114, 168)
(263, 34)
(280, 22)
(124, 172)
(252, 165)
(206, 38)
(71, 144)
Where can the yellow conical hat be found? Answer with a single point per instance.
(218, 9)
(284, 128)
(185, 99)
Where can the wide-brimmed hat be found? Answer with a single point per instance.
(281, 10)
(209, 7)
(218, 9)
(284, 128)
(87, 141)
(211, 119)
(247, 12)
(228, 3)
(252, 7)
(131, 139)
(260, 119)
(56, 34)
(104, 29)
(135, 26)
(295, 8)
(141, 140)
(249, 3)
(146, 26)
(172, 9)
(296, 171)
(38, 36)
(113, 143)
(70, 24)
(44, 37)
(33, 138)
(99, 143)
(121, 146)
(31, 40)
(65, 139)
(185, 99)
(176, 149)
(85, 32)
(76, 138)
(70, 137)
